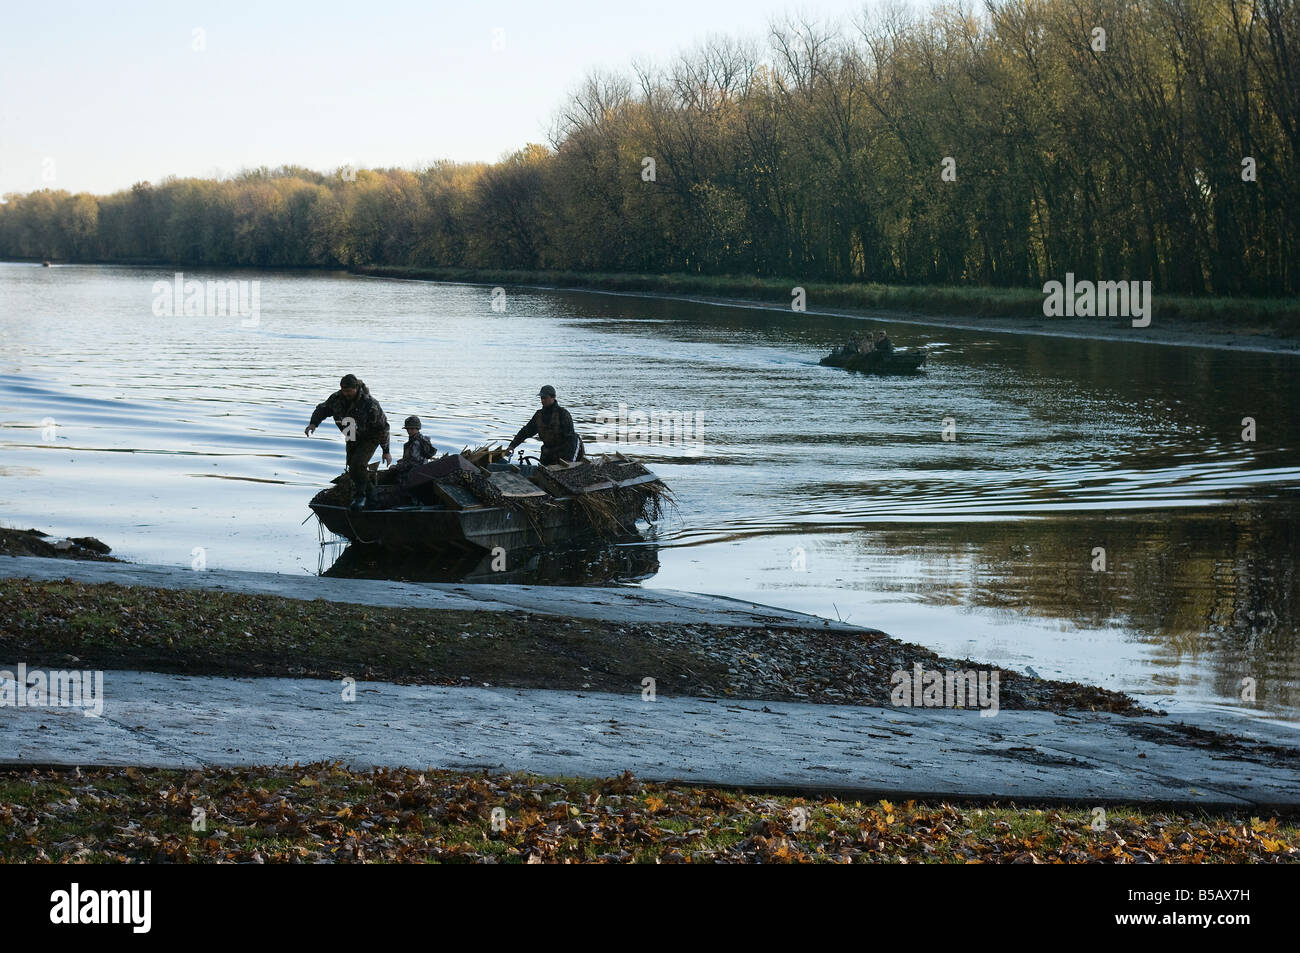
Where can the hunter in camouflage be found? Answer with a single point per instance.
(418, 447)
(553, 425)
(358, 415)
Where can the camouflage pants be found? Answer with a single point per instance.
(359, 453)
(553, 454)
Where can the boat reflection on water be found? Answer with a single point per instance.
(611, 563)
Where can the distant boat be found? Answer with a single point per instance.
(909, 361)
(45, 264)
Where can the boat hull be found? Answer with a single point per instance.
(896, 362)
(439, 529)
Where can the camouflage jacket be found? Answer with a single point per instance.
(364, 410)
(418, 450)
(554, 427)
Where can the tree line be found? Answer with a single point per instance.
(1155, 140)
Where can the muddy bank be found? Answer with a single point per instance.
(59, 624)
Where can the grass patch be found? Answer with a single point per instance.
(326, 813)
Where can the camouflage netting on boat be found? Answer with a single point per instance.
(336, 494)
(603, 509)
(339, 493)
(392, 495)
(576, 479)
(479, 485)
(486, 492)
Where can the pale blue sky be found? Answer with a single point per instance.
(115, 93)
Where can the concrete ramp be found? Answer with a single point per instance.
(1091, 759)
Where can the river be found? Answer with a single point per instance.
(967, 509)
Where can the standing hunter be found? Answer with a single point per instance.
(553, 425)
(364, 428)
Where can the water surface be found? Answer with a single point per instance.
(176, 439)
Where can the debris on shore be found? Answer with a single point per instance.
(32, 542)
(326, 813)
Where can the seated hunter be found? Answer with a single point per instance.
(858, 344)
(418, 448)
(553, 425)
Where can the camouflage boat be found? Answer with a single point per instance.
(476, 502)
(908, 361)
